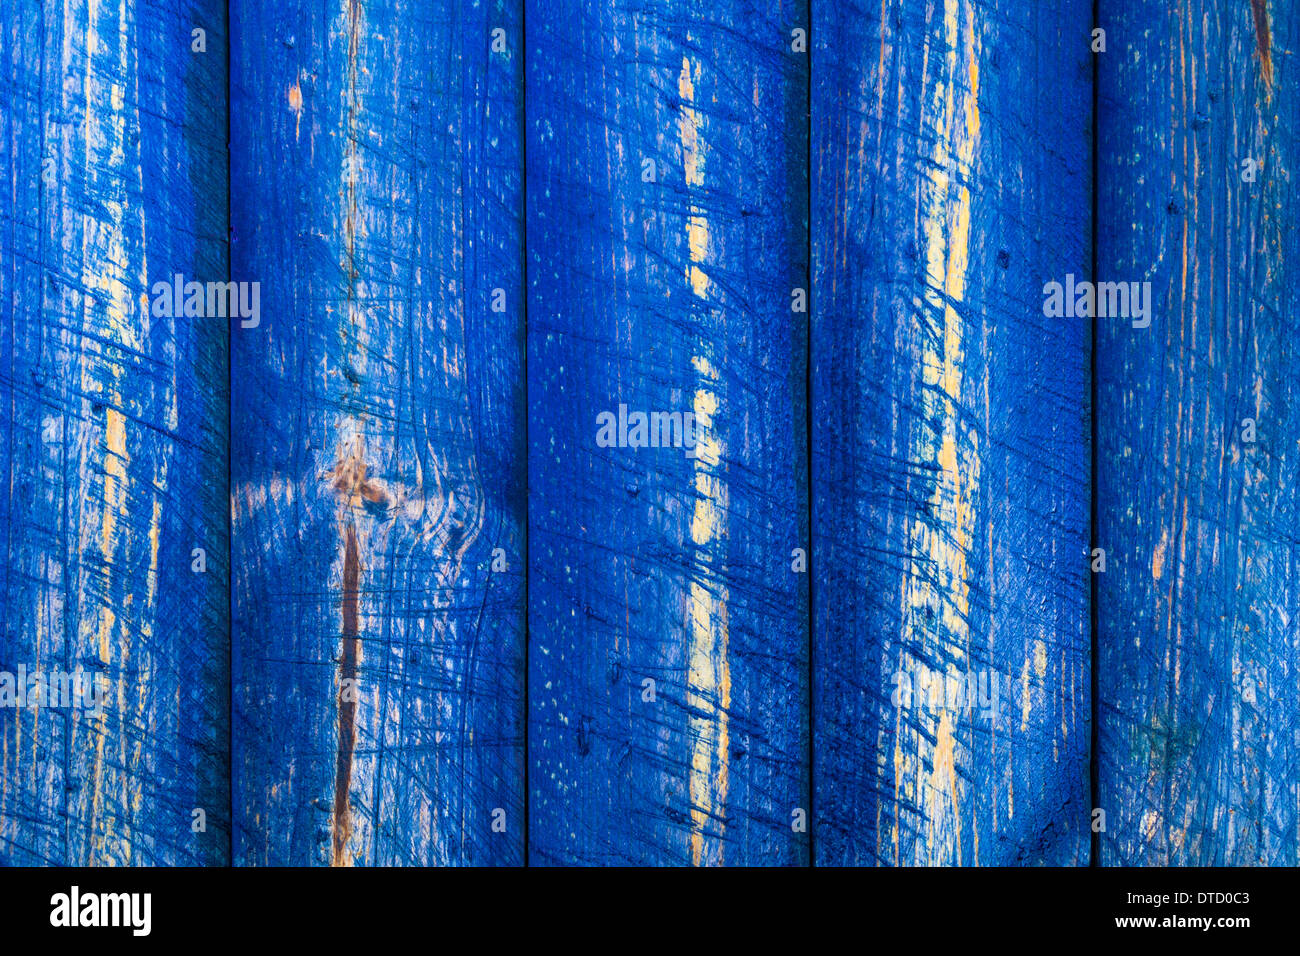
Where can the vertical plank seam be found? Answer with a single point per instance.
(524, 343)
(808, 456)
(1094, 770)
(230, 479)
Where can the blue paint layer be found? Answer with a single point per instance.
(377, 435)
(667, 229)
(950, 452)
(112, 435)
(1198, 650)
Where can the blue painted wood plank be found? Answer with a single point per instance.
(112, 437)
(950, 450)
(378, 465)
(1198, 649)
(667, 228)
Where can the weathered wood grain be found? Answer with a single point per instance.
(950, 452)
(378, 462)
(1198, 649)
(672, 295)
(112, 434)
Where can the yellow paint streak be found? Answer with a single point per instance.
(155, 534)
(110, 269)
(945, 769)
(709, 672)
(937, 596)
(115, 480)
(697, 230)
(295, 105)
(708, 691)
(688, 126)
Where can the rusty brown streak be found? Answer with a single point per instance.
(349, 479)
(1260, 9)
(347, 698)
(351, 556)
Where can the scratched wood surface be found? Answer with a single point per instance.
(1198, 647)
(113, 425)
(378, 463)
(671, 295)
(951, 179)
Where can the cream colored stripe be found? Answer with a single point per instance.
(938, 591)
(708, 692)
